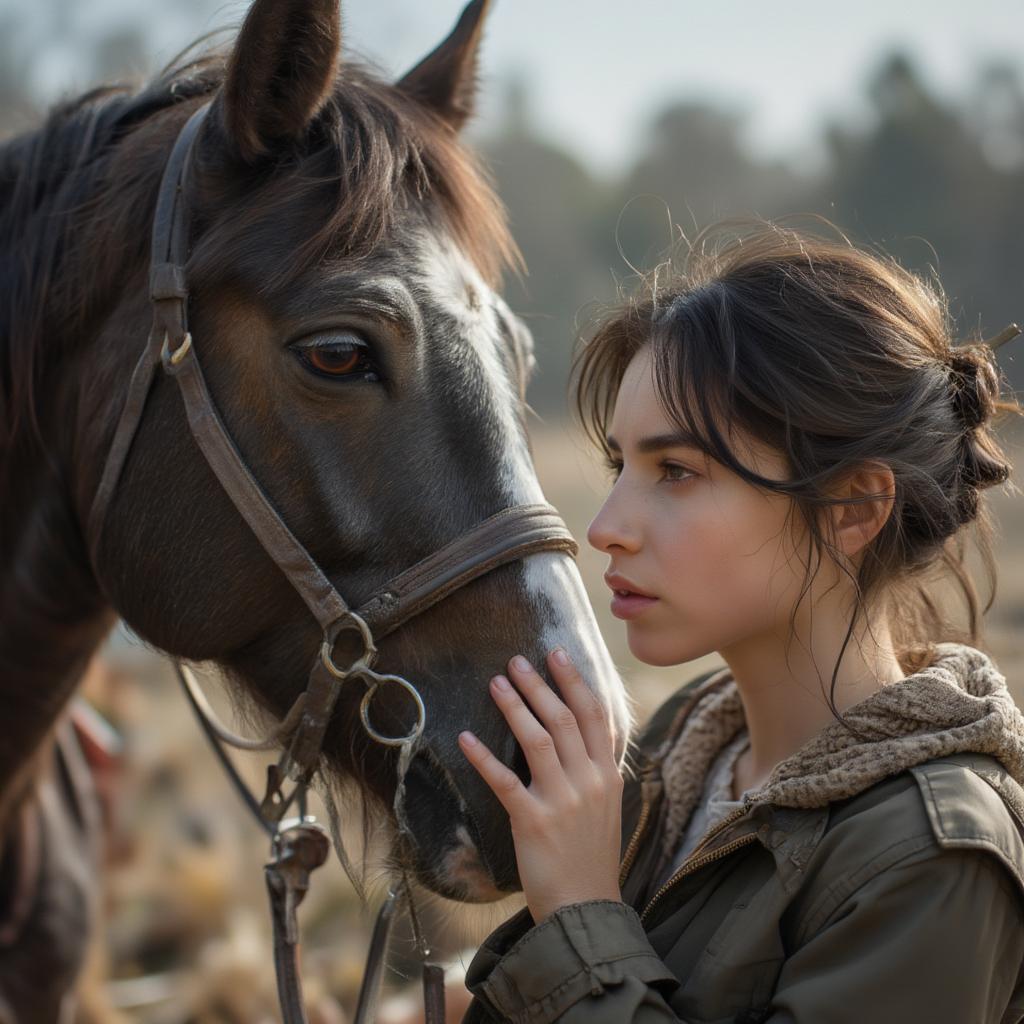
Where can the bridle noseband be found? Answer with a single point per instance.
(509, 535)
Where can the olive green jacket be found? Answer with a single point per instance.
(857, 893)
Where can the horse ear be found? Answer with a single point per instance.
(280, 73)
(446, 80)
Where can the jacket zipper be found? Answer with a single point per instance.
(634, 842)
(649, 777)
(646, 804)
(695, 861)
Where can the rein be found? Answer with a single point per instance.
(299, 845)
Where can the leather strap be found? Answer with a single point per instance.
(321, 694)
(369, 990)
(433, 994)
(170, 314)
(509, 535)
(225, 460)
(298, 850)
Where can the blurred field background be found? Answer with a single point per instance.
(608, 129)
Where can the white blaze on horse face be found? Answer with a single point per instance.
(456, 287)
(570, 623)
(552, 580)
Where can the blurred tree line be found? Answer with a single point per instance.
(937, 183)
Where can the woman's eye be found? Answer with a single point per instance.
(337, 355)
(674, 472)
(671, 471)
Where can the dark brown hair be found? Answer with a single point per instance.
(835, 356)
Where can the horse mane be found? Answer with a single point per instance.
(75, 209)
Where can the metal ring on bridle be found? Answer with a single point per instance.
(364, 710)
(175, 357)
(363, 662)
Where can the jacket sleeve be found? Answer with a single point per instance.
(937, 938)
(587, 963)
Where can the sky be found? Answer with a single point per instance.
(598, 70)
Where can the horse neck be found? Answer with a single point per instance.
(52, 616)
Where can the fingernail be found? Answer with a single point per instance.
(468, 738)
(520, 663)
(501, 683)
(560, 656)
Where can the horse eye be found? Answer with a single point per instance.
(340, 355)
(337, 360)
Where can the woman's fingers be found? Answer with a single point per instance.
(556, 717)
(562, 740)
(541, 754)
(588, 712)
(505, 784)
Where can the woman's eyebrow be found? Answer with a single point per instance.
(658, 442)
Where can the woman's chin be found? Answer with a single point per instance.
(659, 651)
(662, 655)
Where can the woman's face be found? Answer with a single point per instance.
(708, 560)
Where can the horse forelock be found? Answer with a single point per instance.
(371, 154)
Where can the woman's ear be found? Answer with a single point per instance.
(279, 75)
(870, 493)
(445, 81)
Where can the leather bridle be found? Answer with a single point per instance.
(298, 845)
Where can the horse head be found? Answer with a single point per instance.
(344, 259)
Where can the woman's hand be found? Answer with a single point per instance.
(567, 824)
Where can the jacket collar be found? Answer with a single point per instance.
(959, 703)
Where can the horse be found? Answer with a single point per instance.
(345, 256)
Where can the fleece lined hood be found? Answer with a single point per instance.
(958, 704)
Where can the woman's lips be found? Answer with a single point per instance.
(628, 605)
(627, 601)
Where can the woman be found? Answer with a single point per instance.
(829, 829)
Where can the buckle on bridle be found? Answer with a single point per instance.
(363, 662)
(173, 359)
(362, 668)
(376, 682)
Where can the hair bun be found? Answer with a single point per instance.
(975, 384)
(974, 381)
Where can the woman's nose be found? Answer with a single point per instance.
(611, 527)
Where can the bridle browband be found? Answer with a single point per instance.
(509, 535)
